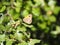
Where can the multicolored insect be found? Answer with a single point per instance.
(28, 19)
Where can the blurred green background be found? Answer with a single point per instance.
(45, 26)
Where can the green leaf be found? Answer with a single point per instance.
(15, 16)
(18, 36)
(46, 8)
(2, 28)
(52, 19)
(18, 4)
(11, 11)
(21, 28)
(36, 11)
(33, 41)
(2, 37)
(56, 32)
(40, 18)
(1, 18)
(25, 13)
(56, 10)
(17, 10)
(23, 43)
(37, 2)
(9, 41)
(33, 28)
(26, 25)
(6, 19)
(3, 8)
(42, 25)
(58, 29)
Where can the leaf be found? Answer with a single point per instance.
(9, 41)
(42, 25)
(2, 37)
(17, 10)
(36, 11)
(26, 25)
(58, 29)
(56, 10)
(1, 18)
(18, 36)
(46, 8)
(2, 43)
(25, 13)
(6, 3)
(2, 28)
(33, 28)
(33, 41)
(37, 2)
(40, 18)
(3, 9)
(21, 28)
(6, 19)
(18, 4)
(56, 32)
(23, 43)
(52, 19)
(15, 16)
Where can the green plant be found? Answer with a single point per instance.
(14, 31)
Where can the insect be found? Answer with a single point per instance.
(28, 19)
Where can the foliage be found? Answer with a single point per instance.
(44, 27)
